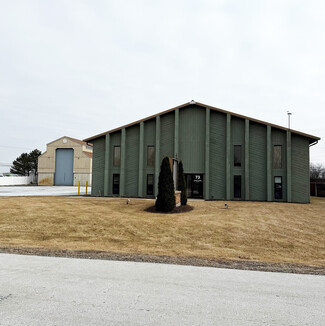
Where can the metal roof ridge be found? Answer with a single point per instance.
(192, 102)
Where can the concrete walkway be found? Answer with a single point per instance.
(65, 291)
(42, 191)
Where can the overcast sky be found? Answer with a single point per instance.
(78, 68)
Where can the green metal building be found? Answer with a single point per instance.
(225, 156)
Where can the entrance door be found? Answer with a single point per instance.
(64, 167)
(194, 185)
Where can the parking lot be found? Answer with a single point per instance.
(64, 291)
(42, 191)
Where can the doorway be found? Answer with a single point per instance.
(63, 167)
(194, 185)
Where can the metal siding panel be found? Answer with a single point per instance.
(192, 139)
(237, 131)
(98, 167)
(150, 132)
(237, 138)
(64, 167)
(114, 141)
(257, 155)
(300, 169)
(217, 155)
(279, 137)
(106, 166)
(149, 139)
(167, 136)
(132, 160)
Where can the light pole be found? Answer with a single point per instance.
(289, 116)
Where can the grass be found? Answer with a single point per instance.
(259, 231)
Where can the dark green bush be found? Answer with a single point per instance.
(166, 194)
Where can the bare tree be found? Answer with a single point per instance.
(317, 171)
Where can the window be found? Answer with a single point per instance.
(277, 187)
(151, 156)
(117, 156)
(116, 184)
(237, 155)
(277, 156)
(150, 182)
(237, 186)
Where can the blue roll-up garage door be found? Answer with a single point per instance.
(64, 167)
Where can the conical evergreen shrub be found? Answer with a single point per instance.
(182, 183)
(166, 194)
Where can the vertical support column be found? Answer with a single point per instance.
(228, 151)
(106, 165)
(176, 136)
(122, 169)
(157, 156)
(207, 154)
(247, 159)
(141, 158)
(289, 198)
(268, 163)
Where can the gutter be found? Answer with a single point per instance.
(314, 143)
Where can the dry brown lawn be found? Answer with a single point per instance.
(259, 231)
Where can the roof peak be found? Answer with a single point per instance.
(192, 102)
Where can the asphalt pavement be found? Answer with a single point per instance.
(66, 291)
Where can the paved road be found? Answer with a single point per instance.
(41, 191)
(65, 291)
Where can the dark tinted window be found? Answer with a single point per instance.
(151, 156)
(150, 182)
(116, 184)
(277, 187)
(237, 155)
(277, 157)
(117, 156)
(237, 186)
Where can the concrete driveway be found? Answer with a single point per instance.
(42, 191)
(65, 291)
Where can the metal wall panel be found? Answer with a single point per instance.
(279, 137)
(115, 140)
(300, 169)
(167, 135)
(132, 160)
(217, 155)
(192, 145)
(257, 168)
(149, 140)
(192, 139)
(237, 138)
(63, 167)
(98, 167)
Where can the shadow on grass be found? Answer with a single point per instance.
(180, 209)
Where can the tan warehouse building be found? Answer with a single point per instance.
(66, 162)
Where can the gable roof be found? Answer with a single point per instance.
(311, 137)
(81, 142)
